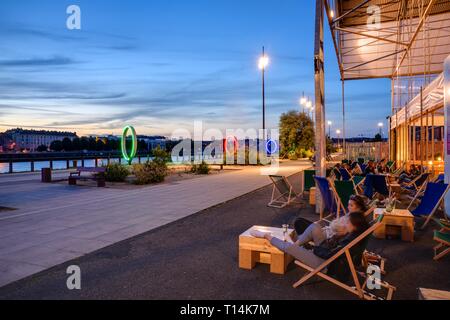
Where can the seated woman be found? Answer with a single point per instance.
(409, 175)
(303, 226)
(355, 225)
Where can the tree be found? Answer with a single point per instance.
(330, 147)
(296, 134)
(42, 148)
(142, 146)
(76, 144)
(100, 146)
(92, 145)
(84, 143)
(67, 144)
(56, 146)
(378, 138)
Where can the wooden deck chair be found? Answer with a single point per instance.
(282, 193)
(345, 253)
(444, 224)
(433, 197)
(399, 170)
(443, 247)
(342, 191)
(345, 174)
(416, 184)
(375, 184)
(390, 165)
(328, 199)
(358, 181)
(440, 178)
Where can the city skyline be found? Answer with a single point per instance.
(157, 67)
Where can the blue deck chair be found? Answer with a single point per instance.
(345, 175)
(434, 194)
(440, 178)
(376, 184)
(323, 185)
(417, 184)
(363, 167)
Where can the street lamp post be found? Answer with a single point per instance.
(380, 125)
(329, 128)
(263, 63)
(338, 132)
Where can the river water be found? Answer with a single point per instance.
(62, 165)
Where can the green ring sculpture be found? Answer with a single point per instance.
(129, 157)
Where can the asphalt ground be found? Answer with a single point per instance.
(197, 258)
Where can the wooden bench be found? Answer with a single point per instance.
(96, 174)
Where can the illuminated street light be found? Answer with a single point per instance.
(263, 63)
(381, 125)
(331, 14)
(338, 132)
(329, 128)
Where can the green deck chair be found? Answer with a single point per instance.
(308, 180)
(443, 248)
(343, 191)
(390, 165)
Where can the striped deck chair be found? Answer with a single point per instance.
(433, 197)
(349, 258)
(282, 193)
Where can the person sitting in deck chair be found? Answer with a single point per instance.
(305, 230)
(370, 169)
(355, 225)
(409, 175)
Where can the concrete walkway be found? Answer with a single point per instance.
(55, 223)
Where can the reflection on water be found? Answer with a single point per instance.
(62, 165)
(57, 165)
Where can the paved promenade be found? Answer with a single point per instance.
(55, 223)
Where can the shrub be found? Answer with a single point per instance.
(202, 168)
(116, 173)
(292, 155)
(150, 172)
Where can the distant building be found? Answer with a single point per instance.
(154, 142)
(6, 143)
(31, 139)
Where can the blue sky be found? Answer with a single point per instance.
(160, 65)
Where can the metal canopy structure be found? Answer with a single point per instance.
(389, 38)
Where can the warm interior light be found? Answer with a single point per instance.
(331, 14)
(263, 62)
(439, 159)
